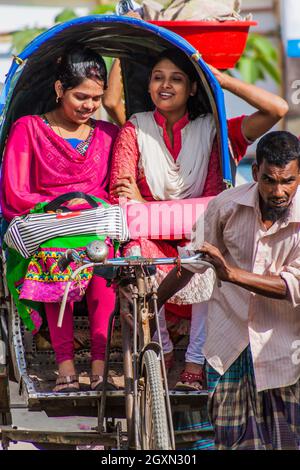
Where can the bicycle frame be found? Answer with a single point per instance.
(141, 332)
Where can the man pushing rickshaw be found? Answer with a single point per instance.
(55, 147)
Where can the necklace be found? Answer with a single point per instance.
(79, 137)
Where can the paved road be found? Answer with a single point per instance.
(38, 420)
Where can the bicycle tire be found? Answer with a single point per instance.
(154, 427)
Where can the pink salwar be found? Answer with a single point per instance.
(101, 302)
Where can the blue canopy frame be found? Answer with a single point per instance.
(115, 23)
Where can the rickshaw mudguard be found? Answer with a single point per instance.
(28, 90)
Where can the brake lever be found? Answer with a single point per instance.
(69, 256)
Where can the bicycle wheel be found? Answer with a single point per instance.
(154, 429)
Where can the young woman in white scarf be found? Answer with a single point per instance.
(171, 153)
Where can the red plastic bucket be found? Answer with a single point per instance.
(220, 44)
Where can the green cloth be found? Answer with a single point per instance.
(16, 270)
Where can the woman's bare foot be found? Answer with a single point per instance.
(97, 374)
(67, 380)
(193, 368)
(97, 377)
(97, 367)
(66, 368)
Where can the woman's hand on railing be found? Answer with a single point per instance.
(126, 187)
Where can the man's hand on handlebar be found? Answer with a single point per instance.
(213, 255)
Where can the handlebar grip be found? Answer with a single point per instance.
(65, 260)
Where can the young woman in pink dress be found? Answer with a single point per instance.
(64, 150)
(172, 153)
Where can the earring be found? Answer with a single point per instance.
(57, 99)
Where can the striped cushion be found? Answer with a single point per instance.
(26, 234)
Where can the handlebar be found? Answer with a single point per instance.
(97, 251)
(73, 255)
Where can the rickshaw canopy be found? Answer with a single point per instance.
(28, 88)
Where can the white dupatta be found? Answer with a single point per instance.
(169, 179)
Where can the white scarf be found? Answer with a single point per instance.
(167, 178)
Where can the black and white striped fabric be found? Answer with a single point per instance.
(25, 234)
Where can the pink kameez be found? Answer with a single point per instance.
(38, 166)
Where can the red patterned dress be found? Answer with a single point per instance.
(125, 160)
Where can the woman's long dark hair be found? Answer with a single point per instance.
(198, 104)
(80, 63)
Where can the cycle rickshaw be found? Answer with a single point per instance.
(26, 91)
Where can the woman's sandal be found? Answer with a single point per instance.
(190, 381)
(97, 383)
(66, 384)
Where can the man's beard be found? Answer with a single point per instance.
(275, 213)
